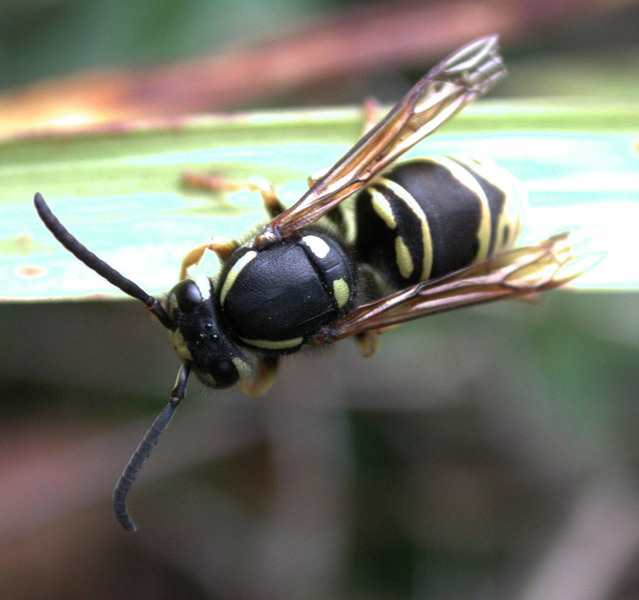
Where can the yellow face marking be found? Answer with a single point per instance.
(274, 345)
(236, 269)
(179, 345)
(403, 258)
(382, 208)
(341, 291)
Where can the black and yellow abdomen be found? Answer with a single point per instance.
(428, 217)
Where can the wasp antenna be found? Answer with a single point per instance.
(144, 449)
(81, 252)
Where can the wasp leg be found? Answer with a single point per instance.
(221, 245)
(260, 384)
(272, 204)
(367, 343)
(217, 184)
(311, 180)
(336, 215)
(371, 115)
(370, 112)
(209, 182)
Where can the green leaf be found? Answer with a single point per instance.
(118, 188)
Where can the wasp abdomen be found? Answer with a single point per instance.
(428, 217)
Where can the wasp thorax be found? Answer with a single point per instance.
(198, 337)
(276, 297)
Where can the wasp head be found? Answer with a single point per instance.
(199, 337)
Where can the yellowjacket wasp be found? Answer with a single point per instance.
(430, 235)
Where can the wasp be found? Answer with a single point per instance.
(428, 235)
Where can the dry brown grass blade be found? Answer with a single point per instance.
(398, 33)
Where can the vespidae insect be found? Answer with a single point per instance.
(429, 235)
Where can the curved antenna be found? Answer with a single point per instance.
(81, 252)
(143, 451)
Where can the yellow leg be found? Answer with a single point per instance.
(260, 384)
(215, 183)
(222, 246)
(272, 204)
(370, 110)
(311, 180)
(367, 343)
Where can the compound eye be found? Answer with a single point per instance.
(187, 295)
(225, 373)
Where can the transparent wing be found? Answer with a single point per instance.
(441, 93)
(514, 273)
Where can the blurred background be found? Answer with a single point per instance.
(490, 453)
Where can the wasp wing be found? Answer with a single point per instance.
(441, 93)
(513, 273)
